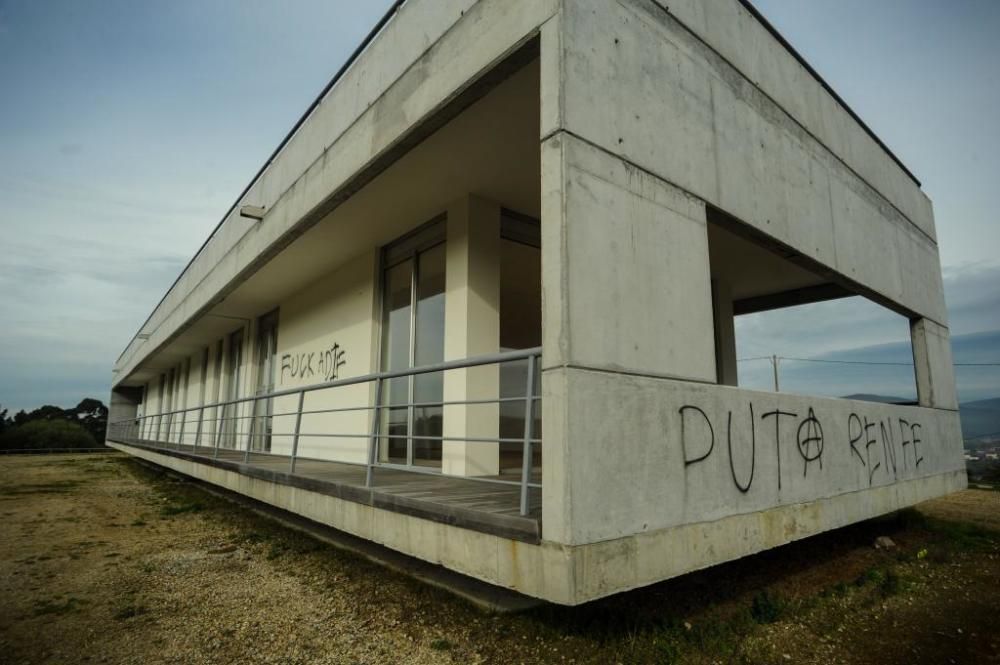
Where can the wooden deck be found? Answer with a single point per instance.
(482, 506)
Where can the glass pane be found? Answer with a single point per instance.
(520, 328)
(266, 350)
(396, 355)
(520, 296)
(232, 413)
(429, 349)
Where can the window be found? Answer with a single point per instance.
(413, 287)
(784, 323)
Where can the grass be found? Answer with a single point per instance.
(129, 611)
(733, 613)
(57, 487)
(441, 644)
(181, 508)
(55, 607)
(767, 607)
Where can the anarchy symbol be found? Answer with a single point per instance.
(810, 440)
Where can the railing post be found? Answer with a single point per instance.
(197, 431)
(529, 422)
(373, 442)
(295, 436)
(253, 416)
(180, 435)
(220, 411)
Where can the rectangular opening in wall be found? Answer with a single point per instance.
(783, 323)
(520, 328)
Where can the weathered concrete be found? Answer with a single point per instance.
(730, 29)
(651, 122)
(649, 453)
(472, 328)
(623, 254)
(725, 140)
(933, 366)
(571, 574)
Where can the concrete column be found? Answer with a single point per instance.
(124, 404)
(725, 333)
(472, 327)
(932, 364)
(626, 290)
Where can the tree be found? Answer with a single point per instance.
(49, 426)
(51, 412)
(93, 416)
(46, 434)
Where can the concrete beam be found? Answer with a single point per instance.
(932, 365)
(724, 310)
(722, 138)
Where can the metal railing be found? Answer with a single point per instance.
(362, 409)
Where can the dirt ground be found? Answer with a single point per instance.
(105, 561)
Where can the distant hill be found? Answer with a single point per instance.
(979, 418)
(884, 399)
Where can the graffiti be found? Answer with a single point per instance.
(891, 445)
(324, 364)
(777, 413)
(711, 433)
(753, 452)
(861, 430)
(810, 434)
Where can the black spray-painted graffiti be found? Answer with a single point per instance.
(698, 442)
(323, 364)
(862, 431)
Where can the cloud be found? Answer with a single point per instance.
(68, 310)
(972, 292)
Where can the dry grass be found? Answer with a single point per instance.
(103, 561)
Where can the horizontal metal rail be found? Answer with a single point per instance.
(248, 426)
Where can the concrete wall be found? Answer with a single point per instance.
(328, 332)
(192, 387)
(571, 574)
(644, 124)
(650, 453)
(724, 139)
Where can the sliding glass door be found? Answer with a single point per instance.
(267, 349)
(232, 412)
(413, 336)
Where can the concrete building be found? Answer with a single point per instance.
(516, 230)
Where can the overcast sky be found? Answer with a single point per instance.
(128, 128)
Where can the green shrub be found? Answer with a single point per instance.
(46, 435)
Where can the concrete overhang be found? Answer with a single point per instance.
(413, 75)
(491, 149)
